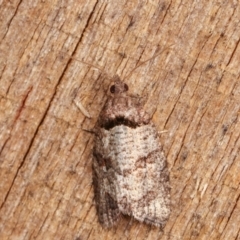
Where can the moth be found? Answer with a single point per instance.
(130, 174)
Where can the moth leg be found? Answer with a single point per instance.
(104, 189)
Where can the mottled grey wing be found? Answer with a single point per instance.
(104, 189)
(154, 207)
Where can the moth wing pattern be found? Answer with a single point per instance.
(106, 204)
(153, 203)
(130, 174)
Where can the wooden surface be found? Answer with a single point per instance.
(55, 55)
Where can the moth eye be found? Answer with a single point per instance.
(112, 89)
(125, 87)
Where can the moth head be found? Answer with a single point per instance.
(118, 86)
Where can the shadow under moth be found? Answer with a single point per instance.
(130, 174)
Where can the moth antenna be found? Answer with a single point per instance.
(102, 72)
(87, 63)
(140, 64)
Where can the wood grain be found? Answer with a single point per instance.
(56, 53)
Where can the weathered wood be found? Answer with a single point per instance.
(54, 54)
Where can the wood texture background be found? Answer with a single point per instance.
(56, 53)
